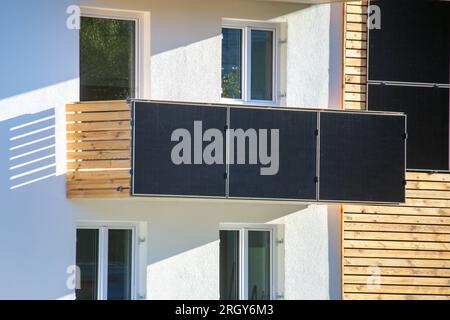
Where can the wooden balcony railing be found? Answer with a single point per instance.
(98, 149)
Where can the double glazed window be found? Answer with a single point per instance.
(107, 59)
(246, 268)
(104, 257)
(248, 63)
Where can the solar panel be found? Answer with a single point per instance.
(362, 157)
(259, 153)
(292, 170)
(413, 43)
(427, 110)
(155, 172)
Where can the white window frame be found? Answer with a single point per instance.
(243, 255)
(103, 228)
(247, 27)
(142, 43)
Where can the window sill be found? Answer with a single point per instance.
(260, 103)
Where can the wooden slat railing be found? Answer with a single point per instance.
(98, 149)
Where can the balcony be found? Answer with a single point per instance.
(315, 160)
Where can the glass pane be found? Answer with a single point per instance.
(119, 264)
(229, 265)
(258, 265)
(107, 59)
(87, 261)
(262, 65)
(232, 63)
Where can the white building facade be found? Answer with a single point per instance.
(173, 245)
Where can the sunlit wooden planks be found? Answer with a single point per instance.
(355, 55)
(400, 252)
(98, 149)
(98, 106)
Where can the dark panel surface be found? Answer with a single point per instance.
(428, 129)
(154, 171)
(297, 155)
(361, 157)
(413, 42)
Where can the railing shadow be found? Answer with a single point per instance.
(30, 145)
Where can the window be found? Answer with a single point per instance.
(246, 263)
(107, 59)
(114, 54)
(249, 63)
(105, 258)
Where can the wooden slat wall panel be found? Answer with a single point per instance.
(355, 55)
(405, 249)
(98, 149)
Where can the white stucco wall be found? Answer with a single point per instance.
(39, 75)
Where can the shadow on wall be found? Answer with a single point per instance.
(174, 29)
(334, 251)
(183, 235)
(186, 43)
(37, 225)
(180, 225)
(335, 56)
(31, 145)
